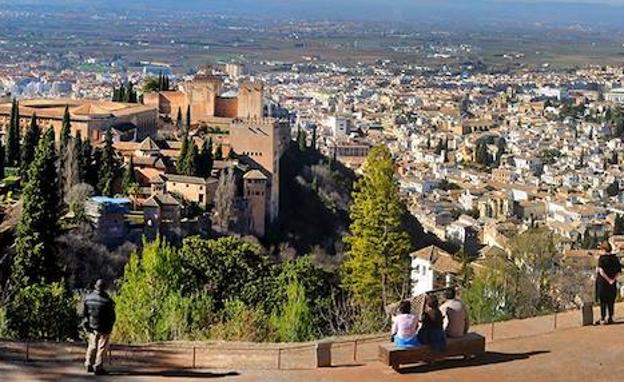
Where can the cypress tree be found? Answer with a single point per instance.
(188, 117)
(301, 140)
(179, 119)
(29, 147)
(107, 166)
(205, 161)
(13, 136)
(65, 130)
(219, 152)
(160, 81)
(181, 163)
(192, 157)
(2, 159)
(89, 165)
(129, 178)
(38, 227)
(314, 137)
(79, 157)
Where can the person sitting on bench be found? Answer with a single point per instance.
(431, 332)
(456, 321)
(404, 326)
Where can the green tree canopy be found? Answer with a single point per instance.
(376, 267)
(108, 166)
(29, 146)
(13, 136)
(38, 227)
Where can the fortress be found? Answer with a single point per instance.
(258, 141)
(208, 103)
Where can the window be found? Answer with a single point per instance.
(201, 198)
(424, 270)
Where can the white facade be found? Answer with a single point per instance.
(422, 276)
(339, 126)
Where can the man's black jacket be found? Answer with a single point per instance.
(99, 310)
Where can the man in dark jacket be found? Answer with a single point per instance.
(99, 315)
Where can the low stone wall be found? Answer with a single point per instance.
(348, 350)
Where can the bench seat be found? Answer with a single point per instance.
(470, 345)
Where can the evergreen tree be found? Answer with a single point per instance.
(65, 130)
(182, 160)
(377, 262)
(192, 160)
(79, 149)
(219, 152)
(205, 162)
(160, 81)
(188, 117)
(107, 166)
(128, 181)
(70, 172)
(618, 227)
(179, 119)
(88, 165)
(29, 146)
(13, 136)
(301, 140)
(2, 161)
(314, 137)
(38, 226)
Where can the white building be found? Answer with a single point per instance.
(432, 268)
(615, 95)
(339, 125)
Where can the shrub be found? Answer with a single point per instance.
(240, 322)
(42, 311)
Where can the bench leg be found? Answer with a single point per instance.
(396, 367)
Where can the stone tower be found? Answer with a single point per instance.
(250, 105)
(255, 192)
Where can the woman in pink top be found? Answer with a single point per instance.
(405, 326)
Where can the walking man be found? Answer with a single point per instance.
(99, 314)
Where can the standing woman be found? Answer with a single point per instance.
(609, 268)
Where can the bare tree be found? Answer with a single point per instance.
(76, 198)
(225, 201)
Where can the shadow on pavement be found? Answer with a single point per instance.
(178, 373)
(489, 358)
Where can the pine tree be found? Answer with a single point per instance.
(107, 166)
(13, 137)
(128, 181)
(376, 266)
(205, 162)
(38, 226)
(181, 162)
(29, 146)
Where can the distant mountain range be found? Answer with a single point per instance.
(603, 13)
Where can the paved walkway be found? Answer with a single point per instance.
(583, 354)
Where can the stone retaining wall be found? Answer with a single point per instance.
(239, 355)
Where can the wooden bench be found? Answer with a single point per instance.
(468, 346)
